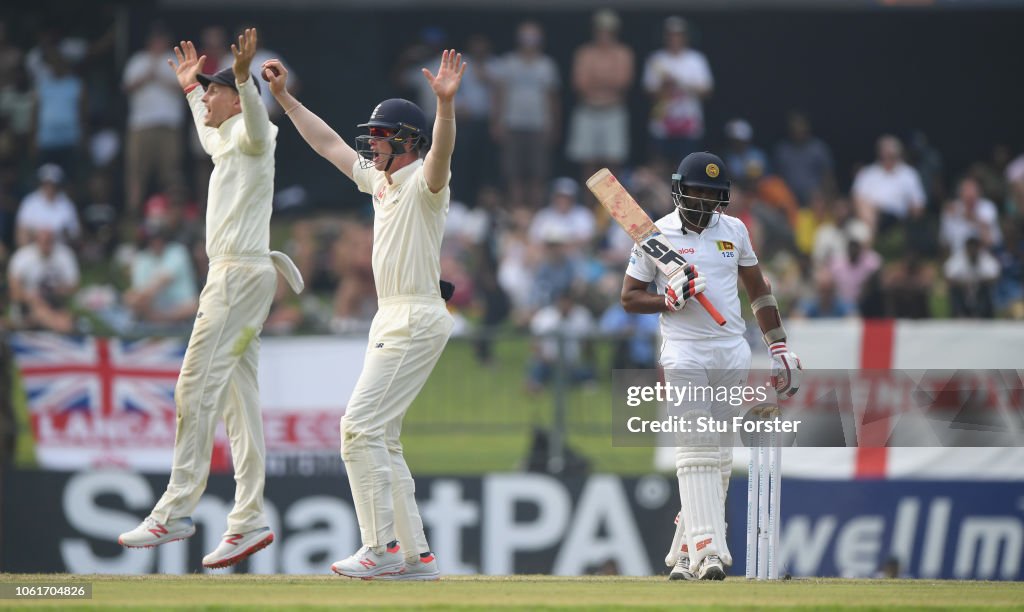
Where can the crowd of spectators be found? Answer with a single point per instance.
(101, 217)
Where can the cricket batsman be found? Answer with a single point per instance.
(697, 351)
(218, 375)
(412, 325)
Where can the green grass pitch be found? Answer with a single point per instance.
(248, 592)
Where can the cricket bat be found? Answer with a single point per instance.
(624, 209)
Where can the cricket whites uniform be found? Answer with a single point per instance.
(407, 336)
(693, 344)
(218, 375)
(697, 351)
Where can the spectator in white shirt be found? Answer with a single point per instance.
(888, 191)
(163, 291)
(155, 118)
(42, 276)
(47, 208)
(677, 79)
(564, 216)
(970, 215)
(573, 323)
(971, 274)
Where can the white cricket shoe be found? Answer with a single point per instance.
(367, 564)
(711, 568)
(151, 532)
(234, 548)
(681, 570)
(419, 568)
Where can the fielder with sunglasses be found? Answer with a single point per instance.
(409, 332)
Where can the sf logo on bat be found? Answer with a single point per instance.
(661, 251)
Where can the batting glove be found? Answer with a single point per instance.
(683, 286)
(786, 370)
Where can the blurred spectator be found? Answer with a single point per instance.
(602, 73)
(571, 322)
(473, 160)
(100, 221)
(908, 286)
(888, 191)
(17, 107)
(970, 215)
(637, 334)
(42, 276)
(852, 269)
(517, 264)
(424, 53)
(156, 113)
(1010, 289)
(213, 43)
(355, 294)
(52, 44)
(677, 79)
(1014, 177)
(928, 162)
(741, 156)
(48, 208)
(971, 274)
(564, 217)
(826, 303)
(526, 123)
(557, 271)
(10, 55)
(804, 161)
(830, 234)
(163, 286)
(990, 173)
(61, 111)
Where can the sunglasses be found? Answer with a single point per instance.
(377, 132)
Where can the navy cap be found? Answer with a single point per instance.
(224, 77)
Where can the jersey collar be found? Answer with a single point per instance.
(400, 176)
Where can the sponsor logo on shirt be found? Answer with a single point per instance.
(688, 251)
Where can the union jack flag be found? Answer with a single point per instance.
(99, 393)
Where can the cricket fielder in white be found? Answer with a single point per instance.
(697, 351)
(218, 375)
(412, 325)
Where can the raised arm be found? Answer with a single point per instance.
(254, 113)
(314, 130)
(187, 66)
(437, 165)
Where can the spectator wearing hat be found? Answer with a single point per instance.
(47, 208)
(677, 78)
(564, 217)
(155, 118)
(163, 285)
(42, 276)
(741, 154)
(602, 73)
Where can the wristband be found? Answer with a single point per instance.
(189, 89)
(775, 335)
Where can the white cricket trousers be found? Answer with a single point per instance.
(407, 337)
(218, 378)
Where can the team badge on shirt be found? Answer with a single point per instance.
(727, 248)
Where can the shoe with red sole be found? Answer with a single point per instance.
(422, 568)
(237, 547)
(152, 532)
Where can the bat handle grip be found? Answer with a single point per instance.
(708, 306)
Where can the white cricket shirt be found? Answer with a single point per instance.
(242, 184)
(718, 253)
(408, 226)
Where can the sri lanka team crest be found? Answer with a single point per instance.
(725, 245)
(712, 170)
